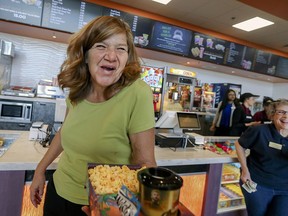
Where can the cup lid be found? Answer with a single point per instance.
(160, 178)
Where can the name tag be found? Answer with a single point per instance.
(275, 145)
(249, 117)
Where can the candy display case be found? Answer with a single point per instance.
(220, 145)
(230, 194)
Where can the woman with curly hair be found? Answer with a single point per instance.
(109, 118)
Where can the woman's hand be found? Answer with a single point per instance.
(245, 176)
(37, 188)
(212, 128)
(86, 210)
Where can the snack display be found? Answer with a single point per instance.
(230, 173)
(230, 196)
(221, 147)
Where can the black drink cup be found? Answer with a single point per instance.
(159, 191)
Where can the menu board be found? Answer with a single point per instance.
(142, 32)
(88, 11)
(207, 48)
(248, 58)
(281, 69)
(265, 62)
(22, 11)
(72, 15)
(62, 14)
(234, 55)
(170, 38)
(127, 17)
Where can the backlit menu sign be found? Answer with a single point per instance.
(132, 20)
(247, 58)
(234, 55)
(22, 11)
(142, 32)
(88, 11)
(207, 48)
(61, 14)
(281, 69)
(265, 62)
(170, 38)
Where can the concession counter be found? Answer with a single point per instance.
(200, 168)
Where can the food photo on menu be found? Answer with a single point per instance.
(141, 30)
(207, 48)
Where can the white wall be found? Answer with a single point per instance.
(280, 90)
(39, 59)
(34, 59)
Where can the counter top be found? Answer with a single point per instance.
(25, 155)
(38, 99)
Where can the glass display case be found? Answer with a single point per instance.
(230, 194)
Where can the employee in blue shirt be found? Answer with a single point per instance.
(267, 164)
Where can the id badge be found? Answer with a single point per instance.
(275, 145)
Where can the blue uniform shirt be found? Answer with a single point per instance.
(267, 165)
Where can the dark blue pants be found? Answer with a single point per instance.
(266, 202)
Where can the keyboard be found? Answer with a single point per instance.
(170, 135)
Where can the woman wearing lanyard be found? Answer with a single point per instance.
(242, 117)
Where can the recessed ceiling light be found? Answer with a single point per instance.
(162, 1)
(253, 24)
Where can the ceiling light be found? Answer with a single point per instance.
(162, 1)
(252, 24)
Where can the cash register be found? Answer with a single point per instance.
(175, 129)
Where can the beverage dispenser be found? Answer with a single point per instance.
(178, 88)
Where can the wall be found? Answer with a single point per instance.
(40, 59)
(34, 59)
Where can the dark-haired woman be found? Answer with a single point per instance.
(222, 121)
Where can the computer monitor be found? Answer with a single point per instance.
(188, 121)
(168, 120)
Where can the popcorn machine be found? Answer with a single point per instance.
(178, 88)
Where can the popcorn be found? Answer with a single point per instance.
(107, 179)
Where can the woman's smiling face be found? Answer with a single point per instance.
(106, 60)
(280, 117)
